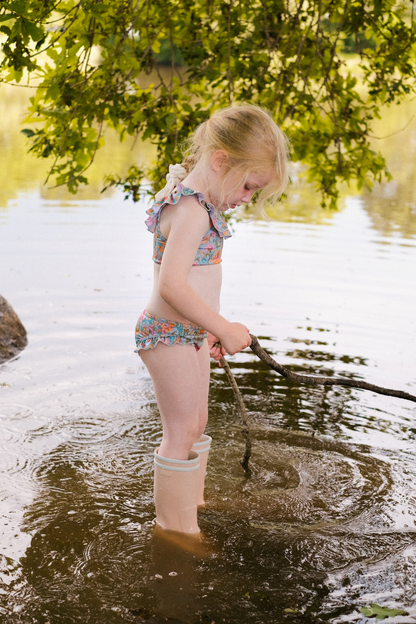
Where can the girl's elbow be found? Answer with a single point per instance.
(167, 290)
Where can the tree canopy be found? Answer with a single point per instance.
(85, 60)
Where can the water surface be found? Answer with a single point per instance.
(325, 526)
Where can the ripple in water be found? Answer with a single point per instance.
(12, 463)
(87, 431)
(297, 480)
(15, 411)
(313, 509)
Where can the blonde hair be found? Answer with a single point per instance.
(253, 143)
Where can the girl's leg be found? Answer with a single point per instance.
(180, 383)
(180, 376)
(202, 443)
(204, 372)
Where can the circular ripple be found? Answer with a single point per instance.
(124, 465)
(297, 479)
(19, 432)
(8, 434)
(94, 430)
(15, 410)
(12, 463)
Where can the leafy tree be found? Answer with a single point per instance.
(286, 55)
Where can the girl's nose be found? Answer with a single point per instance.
(248, 194)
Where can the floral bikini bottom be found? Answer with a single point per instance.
(151, 329)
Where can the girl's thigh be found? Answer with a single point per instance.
(180, 378)
(204, 375)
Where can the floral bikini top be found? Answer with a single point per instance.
(209, 251)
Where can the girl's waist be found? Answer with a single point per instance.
(168, 316)
(203, 279)
(156, 306)
(165, 324)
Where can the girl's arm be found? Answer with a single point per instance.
(187, 223)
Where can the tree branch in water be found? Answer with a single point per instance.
(243, 413)
(326, 381)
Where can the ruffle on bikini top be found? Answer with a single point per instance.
(217, 219)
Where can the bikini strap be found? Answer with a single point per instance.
(173, 197)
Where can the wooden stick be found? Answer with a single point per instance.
(243, 414)
(326, 381)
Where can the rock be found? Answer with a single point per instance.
(13, 337)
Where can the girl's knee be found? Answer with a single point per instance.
(178, 446)
(202, 423)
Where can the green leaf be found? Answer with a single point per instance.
(380, 613)
(18, 6)
(34, 31)
(291, 611)
(28, 132)
(103, 69)
(170, 119)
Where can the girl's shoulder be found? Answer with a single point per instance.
(217, 219)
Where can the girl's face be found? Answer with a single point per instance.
(235, 192)
(237, 195)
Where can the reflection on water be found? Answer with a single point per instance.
(392, 206)
(326, 524)
(23, 172)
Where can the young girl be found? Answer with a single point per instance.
(239, 151)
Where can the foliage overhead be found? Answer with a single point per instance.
(286, 55)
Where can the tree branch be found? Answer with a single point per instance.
(393, 133)
(326, 381)
(243, 413)
(229, 72)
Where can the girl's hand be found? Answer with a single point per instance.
(236, 339)
(216, 352)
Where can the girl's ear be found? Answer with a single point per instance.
(218, 160)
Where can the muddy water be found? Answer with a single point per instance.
(325, 526)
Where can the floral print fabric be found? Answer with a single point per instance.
(152, 329)
(210, 249)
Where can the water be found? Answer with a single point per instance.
(326, 524)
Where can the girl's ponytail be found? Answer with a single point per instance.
(176, 174)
